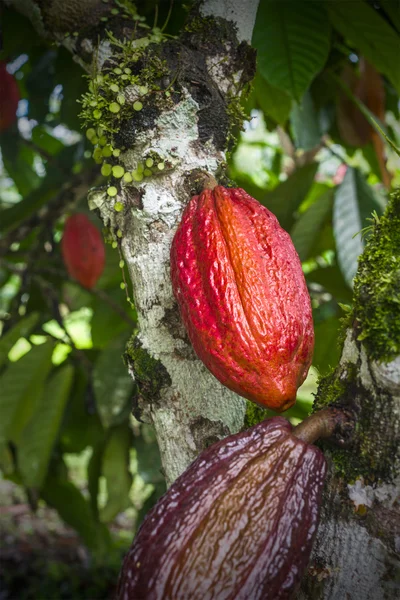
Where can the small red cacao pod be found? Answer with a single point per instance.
(83, 250)
(242, 296)
(239, 523)
(9, 97)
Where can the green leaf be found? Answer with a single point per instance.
(392, 9)
(106, 322)
(364, 27)
(21, 329)
(305, 124)
(39, 436)
(326, 350)
(148, 456)
(293, 43)
(331, 278)
(21, 385)
(94, 474)
(285, 199)
(353, 205)
(112, 383)
(75, 511)
(274, 102)
(80, 427)
(307, 228)
(115, 468)
(43, 139)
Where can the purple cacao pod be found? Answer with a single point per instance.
(238, 524)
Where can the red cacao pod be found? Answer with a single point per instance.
(239, 523)
(9, 97)
(83, 250)
(242, 295)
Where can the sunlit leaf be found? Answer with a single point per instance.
(20, 329)
(21, 386)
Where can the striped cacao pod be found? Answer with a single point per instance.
(83, 250)
(238, 524)
(242, 296)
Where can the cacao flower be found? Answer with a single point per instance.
(9, 98)
(83, 250)
(239, 523)
(242, 296)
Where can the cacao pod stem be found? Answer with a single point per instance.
(334, 423)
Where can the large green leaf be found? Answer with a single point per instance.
(274, 102)
(75, 510)
(293, 40)
(354, 202)
(285, 199)
(21, 329)
(39, 436)
(21, 385)
(364, 27)
(326, 350)
(305, 124)
(307, 228)
(112, 383)
(115, 469)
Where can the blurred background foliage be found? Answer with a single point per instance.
(328, 76)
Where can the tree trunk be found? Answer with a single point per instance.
(355, 551)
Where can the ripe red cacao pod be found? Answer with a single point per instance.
(83, 250)
(242, 296)
(239, 523)
(9, 97)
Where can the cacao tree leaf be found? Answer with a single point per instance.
(285, 199)
(326, 349)
(353, 204)
(292, 44)
(20, 329)
(392, 9)
(21, 384)
(307, 228)
(72, 507)
(40, 434)
(364, 27)
(93, 476)
(148, 456)
(81, 427)
(274, 102)
(107, 323)
(331, 278)
(115, 469)
(42, 138)
(305, 124)
(111, 383)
